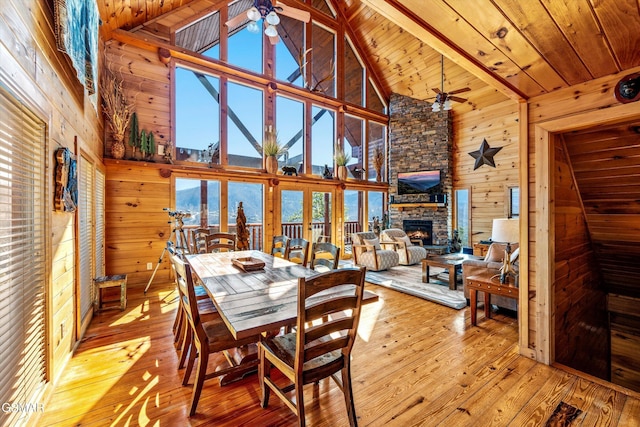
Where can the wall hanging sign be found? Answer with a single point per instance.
(484, 155)
(66, 197)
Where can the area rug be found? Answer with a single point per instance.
(408, 279)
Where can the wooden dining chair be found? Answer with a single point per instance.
(324, 256)
(279, 245)
(221, 242)
(298, 251)
(209, 335)
(316, 349)
(198, 240)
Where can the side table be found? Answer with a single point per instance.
(490, 285)
(104, 282)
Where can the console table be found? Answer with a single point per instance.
(490, 285)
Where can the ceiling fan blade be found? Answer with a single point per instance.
(236, 20)
(464, 89)
(292, 12)
(457, 99)
(436, 90)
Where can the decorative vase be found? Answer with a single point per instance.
(272, 164)
(117, 148)
(342, 173)
(378, 176)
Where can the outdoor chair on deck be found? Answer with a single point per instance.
(208, 336)
(324, 256)
(316, 349)
(298, 251)
(408, 253)
(279, 246)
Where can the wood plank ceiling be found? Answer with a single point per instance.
(500, 49)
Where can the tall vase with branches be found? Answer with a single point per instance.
(117, 109)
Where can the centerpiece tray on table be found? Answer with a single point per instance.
(248, 263)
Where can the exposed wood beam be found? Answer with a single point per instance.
(404, 18)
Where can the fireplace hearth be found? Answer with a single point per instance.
(418, 229)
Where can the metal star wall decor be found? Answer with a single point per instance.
(484, 156)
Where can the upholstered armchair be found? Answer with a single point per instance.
(408, 252)
(370, 252)
(490, 265)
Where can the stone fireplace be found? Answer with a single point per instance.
(421, 140)
(418, 229)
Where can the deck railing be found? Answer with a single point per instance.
(291, 229)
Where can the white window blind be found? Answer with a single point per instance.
(85, 218)
(22, 258)
(99, 189)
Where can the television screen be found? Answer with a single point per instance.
(423, 182)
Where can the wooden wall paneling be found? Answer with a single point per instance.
(137, 228)
(575, 108)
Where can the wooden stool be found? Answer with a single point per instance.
(103, 282)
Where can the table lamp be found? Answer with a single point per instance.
(506, 230)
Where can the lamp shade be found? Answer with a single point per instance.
(506, 230)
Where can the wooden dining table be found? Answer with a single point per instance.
(255, 301)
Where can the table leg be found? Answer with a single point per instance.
(452, 277)
(473, 295)
(425, 274)
(487, 305)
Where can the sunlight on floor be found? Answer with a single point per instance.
(368, 318)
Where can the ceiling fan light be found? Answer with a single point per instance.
(435, 107)
(253, 14)
(447, 105)
(272, 18)
(252, 27)
(271, 31)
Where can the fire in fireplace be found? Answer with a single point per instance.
(418, 229)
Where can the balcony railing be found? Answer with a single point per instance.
(291, 229)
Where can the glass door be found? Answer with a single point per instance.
(307, 212)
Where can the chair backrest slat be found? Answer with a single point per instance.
(221, 242)
(279, 246)
(298, 251)
(325, 254)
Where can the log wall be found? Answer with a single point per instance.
(43, 79)
(488, 186)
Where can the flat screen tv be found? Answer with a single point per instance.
(423, 182)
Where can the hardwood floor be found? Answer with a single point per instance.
(415, 363)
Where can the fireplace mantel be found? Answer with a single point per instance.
(403, 206)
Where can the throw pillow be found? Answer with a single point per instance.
(404, 239)
(495, 253)
(373, 242)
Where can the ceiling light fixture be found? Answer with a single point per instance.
(263, 9)
(442, 103)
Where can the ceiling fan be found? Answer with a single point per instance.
(267, 11)
(443, 99)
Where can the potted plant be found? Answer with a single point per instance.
(271, 149)
(117, 108)
(341, 158)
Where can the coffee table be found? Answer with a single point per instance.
(449, 262)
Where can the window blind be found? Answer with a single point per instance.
(22, 259)
(85, 218)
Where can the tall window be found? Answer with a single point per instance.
(463, 221)
(197, 116)
(322, 140)
(323, 65)
(377, 152)
(353, 75)
(290, 128)
(251, 197)
(245, 126)
(514, 202)
(289, 67)
(353, 145)
(377, 212)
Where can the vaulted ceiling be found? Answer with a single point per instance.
(500, 49)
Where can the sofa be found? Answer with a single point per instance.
(491, 265)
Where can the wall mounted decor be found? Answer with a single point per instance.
(484, 155)
(66, 197)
